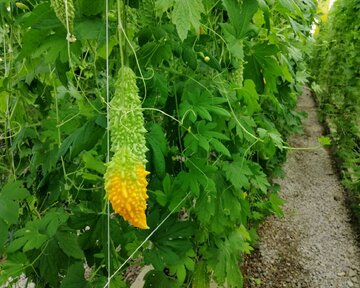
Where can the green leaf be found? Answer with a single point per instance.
(185, 262)
(101, 52)
(170, 242)
(167, 184)
(162, 52)
(197, 102)
(259, 179)
(158, 144)
(187, 14)
(156, 278)
(207, 130)
(323, 140)
(257, 216)
(92, 163)
(225, 260)
(37, 232)
(171, 232)
(250, 97)
(90, 8)
(199, 175)
(290, 7)
(180, 273)
(3, 235)
(35, 241)
(51, 221)
(41, 17)
(165, 196)
(237, 172)
(90, 30)
(244, 233)
(200, 276)
(276, 203)
(52, 258)
(160, 257)
(16, 244)
(220, 147)
(266, 10)
(13, 266)
(262, 65)
(157, 90)
(117, 282)
(275, 136)
(75, 277)
(219, 111)
(9, 210)
(230, 207)
(205, 207)
(84, 138)
(14, 191)
(155, 53)
(252, 70)
(53, 47)
(240, 17)
(235, 45)
(98, 225)
(28, 237)
(68, 243)
(162, 6)
(161, 197)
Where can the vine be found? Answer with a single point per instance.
(204, 101)
(337, 87)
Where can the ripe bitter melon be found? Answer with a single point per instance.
(125, 178)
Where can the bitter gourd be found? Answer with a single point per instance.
(125, 178)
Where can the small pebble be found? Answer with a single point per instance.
(352, 273)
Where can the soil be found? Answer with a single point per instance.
(313, 245)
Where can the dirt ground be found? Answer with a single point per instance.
(313, 245)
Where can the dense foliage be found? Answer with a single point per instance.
(218, 82)
(336, 70)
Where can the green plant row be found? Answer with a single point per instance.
(218, 83)
(336, 70)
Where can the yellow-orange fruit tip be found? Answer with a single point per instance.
(125, 185)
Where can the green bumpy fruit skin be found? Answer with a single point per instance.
(238, 74)
(126, 118)
(60, 11)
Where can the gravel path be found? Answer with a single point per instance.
(313, 245)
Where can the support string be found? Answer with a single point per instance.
(107, 133)
(68, 35)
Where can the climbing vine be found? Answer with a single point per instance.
(335, 67)
(204, 101)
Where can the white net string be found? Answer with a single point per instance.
(107, 133)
